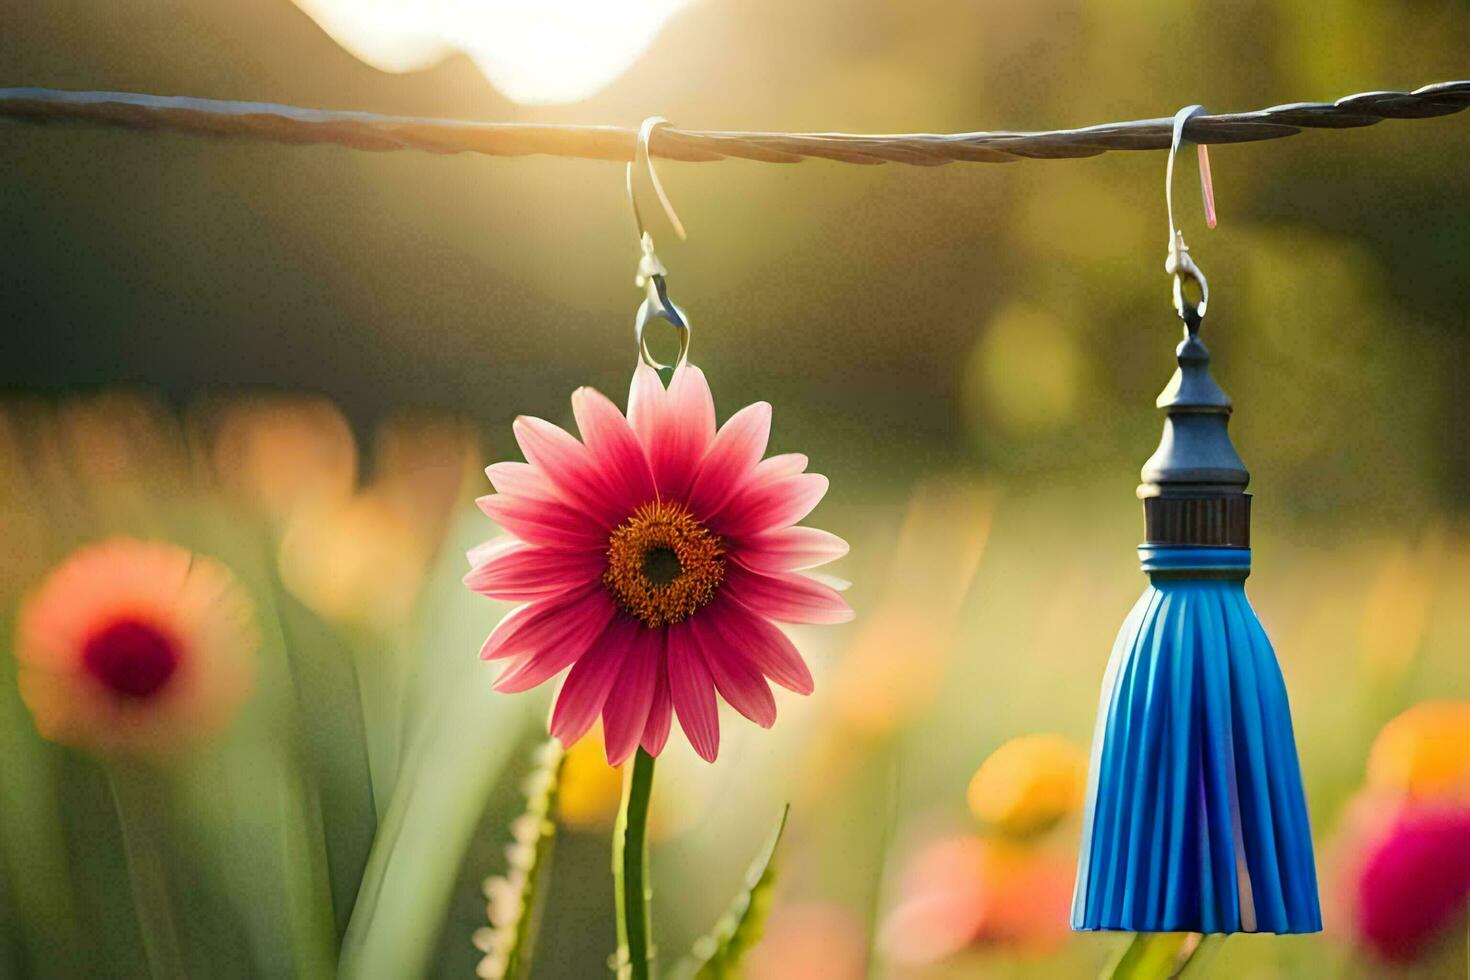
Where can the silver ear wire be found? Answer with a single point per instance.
(652, 275)
(1179, 264)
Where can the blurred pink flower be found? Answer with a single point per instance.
(652, 558)
(1413, 880)
(135, 647)
(965, 891)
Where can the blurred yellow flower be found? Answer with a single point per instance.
(590, 788)
(1029, 784)
(1424, 752)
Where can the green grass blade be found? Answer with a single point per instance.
(334, 749)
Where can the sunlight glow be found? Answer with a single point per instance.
(533, 51)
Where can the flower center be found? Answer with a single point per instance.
(132, 659)
(662, 564)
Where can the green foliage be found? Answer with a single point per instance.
(515, 898)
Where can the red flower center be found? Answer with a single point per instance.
(132, 659)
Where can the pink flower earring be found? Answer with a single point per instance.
(655, 555)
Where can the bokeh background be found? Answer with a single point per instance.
(970, 352)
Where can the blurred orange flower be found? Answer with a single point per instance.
(360, 557)
(1424, 752)
(358, 560)
(810, 940)
(282, 453)
(134, 647)
(1029, 784)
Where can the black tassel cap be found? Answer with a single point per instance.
(1193, 488)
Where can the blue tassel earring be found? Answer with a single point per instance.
(1195, 817)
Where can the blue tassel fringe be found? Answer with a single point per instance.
(1195, 818)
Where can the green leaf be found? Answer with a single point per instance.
(459, 737)
(717, 955)
(333, 740)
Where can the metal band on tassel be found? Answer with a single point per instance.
(1187, 561)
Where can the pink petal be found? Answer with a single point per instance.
(660, 713)
(547, 523)
(736, 678)
(791, 549)
(527, 572)
(770, 505)
(613, 445)
(568, 465)
(559, 622)
(531, 671)
(586, 688)
(736, 450)
(645, 404)
(693, 691)
(688, 430)
(690, 401)
(625, 715)
(505, 630)
(779, 466)
(787, 597)
(521, 479)
(767, 649)
(674, 426)
(486, 550)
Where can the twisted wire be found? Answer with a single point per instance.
(369, 131)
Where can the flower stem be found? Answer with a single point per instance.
(630, 872)
(1164, 956)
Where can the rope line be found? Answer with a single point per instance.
(369, 131)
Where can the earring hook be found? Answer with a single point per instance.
(1179, 264)
(652, 275)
